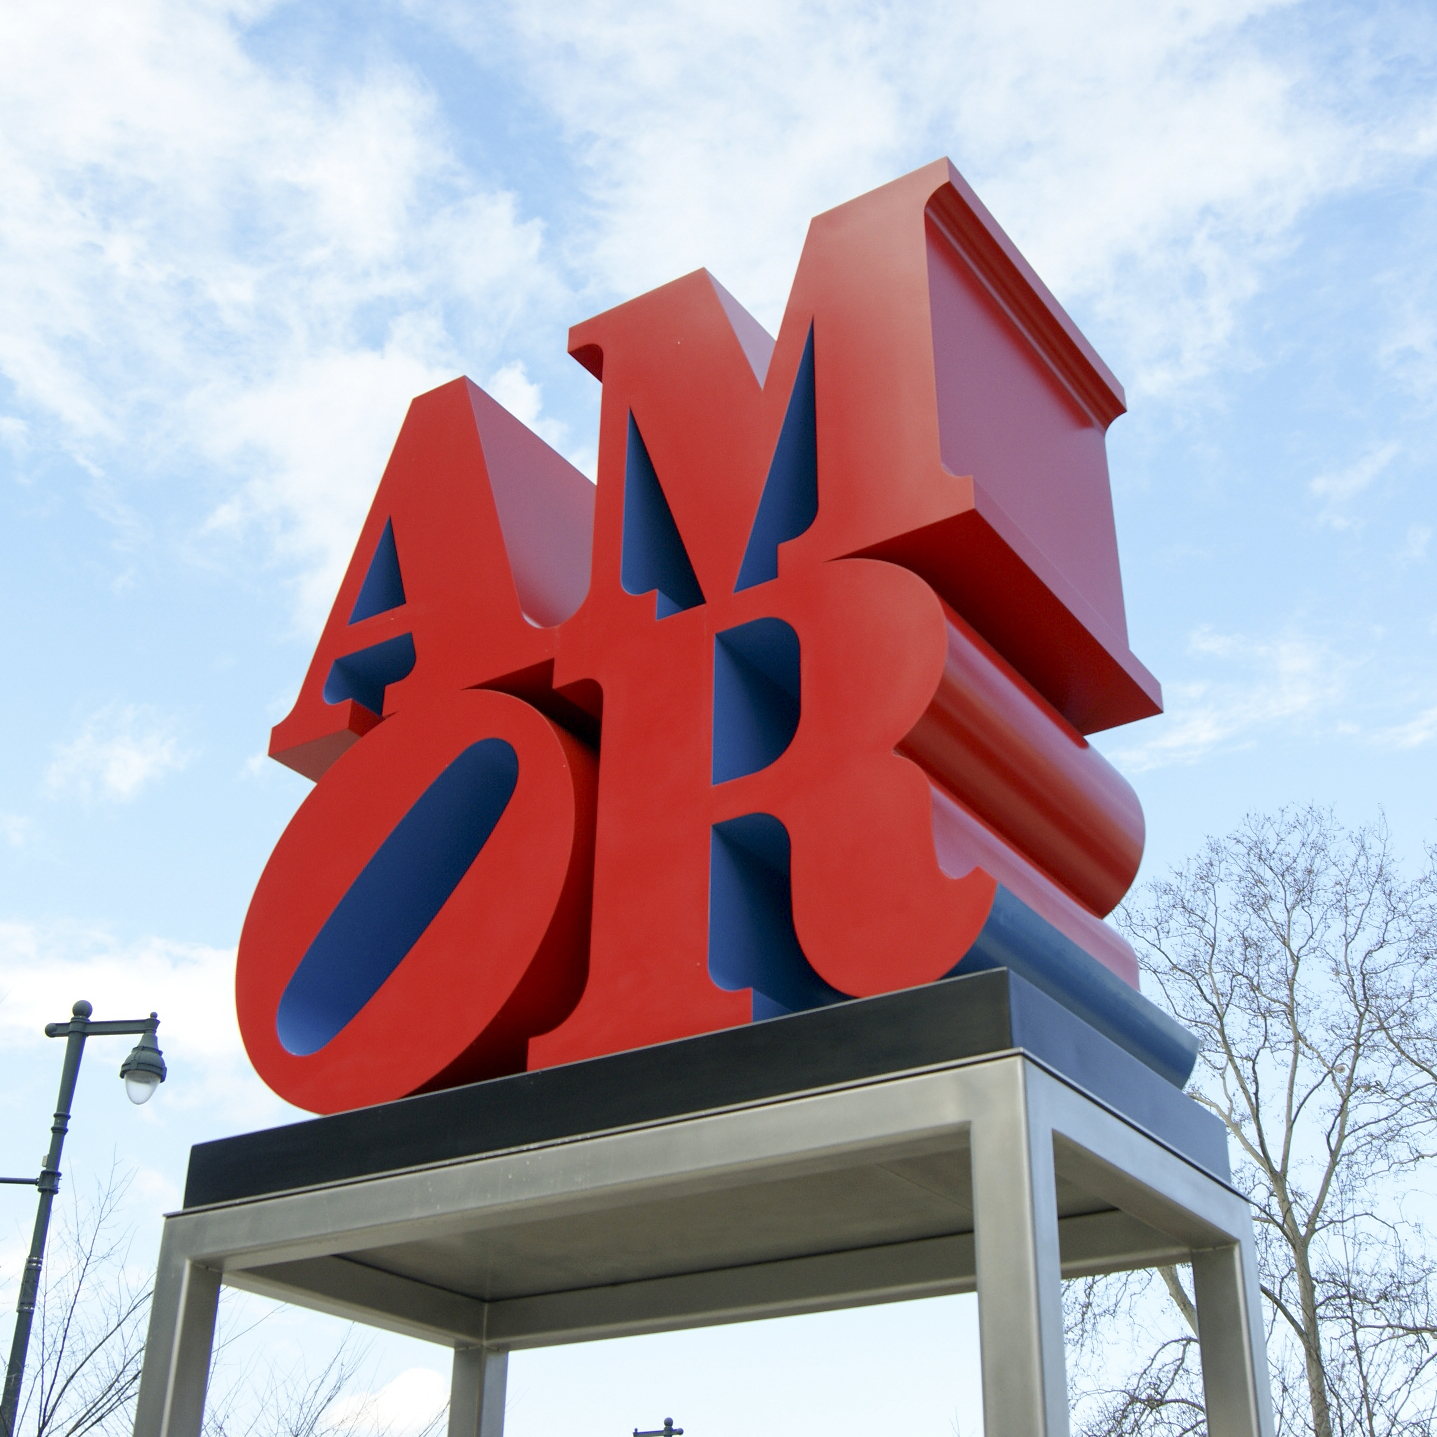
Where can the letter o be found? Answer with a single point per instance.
(426, 911)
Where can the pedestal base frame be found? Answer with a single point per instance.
(1039, 1182)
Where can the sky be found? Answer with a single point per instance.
(237, 238)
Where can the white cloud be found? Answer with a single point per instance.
(1412, 734)
(121, 749)
(243, 271)
(403, 1407)
(15, 829)
(513, 388)
(1340, 487)
(1265, 683)
(14, 434)
(206, 259)
(44, 968)
(1154, 175)
(1414, 548)
(314, 440)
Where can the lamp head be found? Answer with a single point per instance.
(144, 1069)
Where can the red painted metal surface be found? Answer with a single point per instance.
(519, 916)
(865, 577)
(990, 740)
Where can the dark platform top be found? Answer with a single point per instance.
(858, 1041)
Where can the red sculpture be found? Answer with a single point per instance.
(789, 709)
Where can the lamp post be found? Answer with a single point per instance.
(667, 1430)
(143, 1071)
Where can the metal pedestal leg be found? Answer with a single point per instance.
(1234, 1363)
(1020, 1302)
(476, 1392)
(177, 1351)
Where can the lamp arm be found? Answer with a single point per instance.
(104, 1029)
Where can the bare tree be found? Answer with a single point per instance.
(258, 1399)
(89, 1333)
(88, 1346)
(1303, 959)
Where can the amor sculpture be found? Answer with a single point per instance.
(789, 708)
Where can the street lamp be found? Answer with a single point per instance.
(143, 1072)
(144, 1068)
(667, 1430)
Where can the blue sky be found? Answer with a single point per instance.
(237, 238)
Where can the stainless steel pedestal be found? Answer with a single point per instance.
(991, 1174)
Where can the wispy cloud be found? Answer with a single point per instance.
(406, 1405)
(242, 272)
(44, 968)
(312, 440)
(15, 829)
(1414, 547)
(1262, 683)
(1156, 176)
(14, 434)
(524, 399)
(1339, 487)
(1412, 734)
(120, 750)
